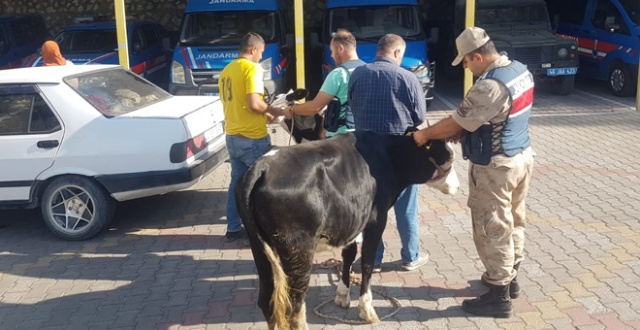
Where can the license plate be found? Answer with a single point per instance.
(214, 132)
(561, 71)
(212, 94)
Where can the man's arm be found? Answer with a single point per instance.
(443, 129)
(256, 104)
(420, 113)
(314, 106)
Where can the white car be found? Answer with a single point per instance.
(76, 139)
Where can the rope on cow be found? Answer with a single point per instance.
(357, 280)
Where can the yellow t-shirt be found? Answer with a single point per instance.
(238, 79)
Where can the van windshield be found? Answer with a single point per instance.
(370, 23)
(87, 41)
(228, 27)
(632, 9)
(512, 15)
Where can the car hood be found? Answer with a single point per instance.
(174, 107)
(522, 38)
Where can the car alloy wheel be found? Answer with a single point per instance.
(76, 208)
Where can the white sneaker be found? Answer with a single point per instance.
(421, 261)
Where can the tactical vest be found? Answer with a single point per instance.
(510, 136)
(339, 114)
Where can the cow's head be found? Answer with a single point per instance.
(431, 164)
(304, 127)
(445, 177)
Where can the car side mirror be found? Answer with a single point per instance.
(136, 49)
(166, 44)
(613, 27)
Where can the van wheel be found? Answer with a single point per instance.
(76, 208)
(564, 84)
(620, 80)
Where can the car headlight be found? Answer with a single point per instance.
(266, 66)
(563, 52)
(177, 73)
(421, 71)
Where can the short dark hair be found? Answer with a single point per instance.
(249, 41)
(345, 38)
(487, 49)
(390, 41)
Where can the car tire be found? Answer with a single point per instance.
(76, 208)
(564, 84)
(620, 80)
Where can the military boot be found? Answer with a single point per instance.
(514, 286)
(496, 303)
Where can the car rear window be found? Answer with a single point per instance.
(89, 41)
(115, 92)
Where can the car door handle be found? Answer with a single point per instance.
(48, 144)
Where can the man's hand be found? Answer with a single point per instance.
(286, 113)
(455, 138)
(420, 137)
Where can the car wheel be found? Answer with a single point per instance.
(620, 80)
(564, 84)
(76, 208)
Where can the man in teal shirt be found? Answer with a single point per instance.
(335, 86)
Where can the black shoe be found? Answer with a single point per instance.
(514, 286)
(233, 236)
(495, 303)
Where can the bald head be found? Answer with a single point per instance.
(392, 46)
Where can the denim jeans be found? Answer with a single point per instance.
(242, 153)
(406, 209)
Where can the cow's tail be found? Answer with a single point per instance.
(280, 302)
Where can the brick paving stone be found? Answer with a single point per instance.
(165, 265)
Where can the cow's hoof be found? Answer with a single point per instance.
(367, 313)
(343, 298)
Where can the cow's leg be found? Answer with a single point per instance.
(372, 237)
(342, 294)
(297, 265)
(265, 276)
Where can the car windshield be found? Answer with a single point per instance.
(228, 27)
(87, 41)
(632, 9)
(370, 23)
(511, 15)
(114, 92)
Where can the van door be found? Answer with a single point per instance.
(611, 35)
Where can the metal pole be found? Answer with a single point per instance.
(638, 92)
(470, 19)
(299, 35)
(121, 30)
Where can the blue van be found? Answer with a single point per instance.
(95, 42)
(20, 38)
(368, 21)
(608, 36)
(210, 36)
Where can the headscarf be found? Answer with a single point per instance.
(51, 54)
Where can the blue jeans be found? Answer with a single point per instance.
(242, 153)
(406, 209)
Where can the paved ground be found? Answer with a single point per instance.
(164, 263)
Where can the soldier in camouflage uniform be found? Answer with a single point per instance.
(492, 126)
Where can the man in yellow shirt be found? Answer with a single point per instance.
(241, 87)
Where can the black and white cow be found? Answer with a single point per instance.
(297, 200)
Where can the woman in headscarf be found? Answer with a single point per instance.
(51, 54)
